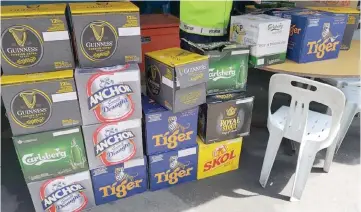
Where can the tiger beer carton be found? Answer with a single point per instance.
(218, 158)
(106, 33)
(63, 193)
(119, 181)
(109, 94)
(176, 78)
(172, 168)
(40, 101)
(166, 131)
(35, 38)
(113, 143)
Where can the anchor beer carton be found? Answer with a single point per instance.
(228, 65)
(166, 131)
(41, 101)
(50, 154)
(224, 117)
(219, 157)
(35, 38)
(63, 193)
(109, 94)
(172, 168)
(113, 143)
(106, 33)
(176, 78)
(119, 181)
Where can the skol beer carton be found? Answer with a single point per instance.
(176, 78)
(50, 154)
(224, 117)
(217, 158)
(109, 94)
(268, 36)
(40, 102)
(63, 193)
(106, 33)
(119, 181)
(228, 65)
(35, 38)
(113, 143)
(172, 168)
(166, 131)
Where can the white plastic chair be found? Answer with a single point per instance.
(342, 82)
(314, 131)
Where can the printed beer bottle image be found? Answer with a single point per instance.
(77, 158)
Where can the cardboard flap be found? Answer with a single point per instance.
(32, 10)
(150, 106)
(102, 7)
(192, 74)
(13, 79)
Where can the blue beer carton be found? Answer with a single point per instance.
(172, 168)
(111, 183)
(167, 131)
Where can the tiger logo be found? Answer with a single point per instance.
(327, 34)
(120, 175)
(173, 125)
(174, 163)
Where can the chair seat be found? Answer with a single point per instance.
(352, 94)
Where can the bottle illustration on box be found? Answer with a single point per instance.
(77, 158)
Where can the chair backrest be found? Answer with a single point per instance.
(300, 100)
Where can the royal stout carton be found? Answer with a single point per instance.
(228, 65)
(64, 193)
(119, 181)
(41, 101)
(106, 33)
(267, 35)
(218, 158)
(166, 131)
(224, 117)
(50, 154)
(113, 143)
(172, 168)
(176, 78)
(109, 94)
(35, 38)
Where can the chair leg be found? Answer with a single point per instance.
(329, 156)
(347, 117)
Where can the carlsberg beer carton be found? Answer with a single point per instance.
(106, 33)
(172, 168)
(165, 131)
(119, 181)
(176, 78)
(268, 36)
(64, 193)
(113, 143)
(224, 117)
(41, 101)
(50, 154)
(109, 94)
(228, 65)
(35, 38)
(219, 157)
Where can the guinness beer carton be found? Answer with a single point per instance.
(106, 33)
(268, 36)
(119, 181)
(35, 38)
(228, 65)
(176, 78)
(50, 154)
(40, 102)
(172, 168)
(109, 94)
(113, 143)
(63, 193)
(224, 117)
(165, 131)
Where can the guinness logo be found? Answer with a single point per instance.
(153, 80)
(29, 98)
(19, 35)
(98, 30)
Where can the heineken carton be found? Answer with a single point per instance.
(50, 154)
(106, 33)
(109, 94)
(176, 78)
(113, 143)
(41, 101)
(119, 181)
(63, 193)
(35, 38)
(224, 117)
(228, 65)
